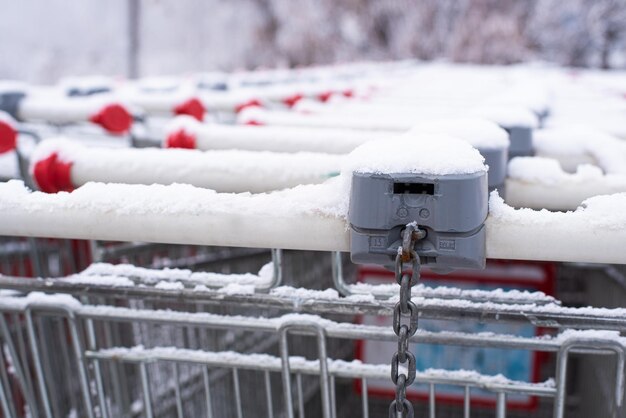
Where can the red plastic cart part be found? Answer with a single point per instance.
(192, 107)
(8, 137)
(180, 139)
(325, 96)
(293, 99)
(114, 118)
(53, 175)
(248, 104)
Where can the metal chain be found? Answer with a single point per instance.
(405, 308)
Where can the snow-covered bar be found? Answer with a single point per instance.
(320, 116)
(188, 133)
(159, 104)
(109, 113)
(537, 182)
(506, 116)
(576, 145)
(594, 233)
(308, 217)
(572, 165)
(300, 218)
(63, 165)
(185, 132)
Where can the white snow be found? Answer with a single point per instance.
(39, 298)
(169, 285)
(421, 153)
(237, 289)
(184, 122)
(302, 293)
(173, 199)
(416, 152)
(508, 116)
(549, 171)
(101, 272)
(477, 129)
(8, 119)
(8, 165)
(604, 212)
(354, 368)
(420, 290)
(103, 280)
(221, 170)
(481, 133)
(582, 141)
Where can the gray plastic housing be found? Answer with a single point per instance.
(496, 159)
(451, 208)
(10, 101)
(521, 138)
(77, 91)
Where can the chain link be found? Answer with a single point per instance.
(405, 308)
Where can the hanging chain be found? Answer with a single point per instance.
(405, 308)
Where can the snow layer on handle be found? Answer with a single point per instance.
(594, 233)
(271, 138)
(508, 116)
(538, 182)
(415, 152)
(186, 214)
(185, 123)
(8, 165)
(581, 144)
(480, 133)
(65, 149)
(607, 212)
(99, 273)
(221, 170)
(181, 214)
(549, 171)
(175, 199)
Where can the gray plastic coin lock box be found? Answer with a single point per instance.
(10, 101)
(521, 138)
(496, 159)
(452, 209)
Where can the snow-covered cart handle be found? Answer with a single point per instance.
(320, 217)
(57, 109)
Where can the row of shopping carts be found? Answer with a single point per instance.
(191, 316)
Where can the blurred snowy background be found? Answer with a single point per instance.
(43, 41)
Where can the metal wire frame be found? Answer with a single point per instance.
(153, 255)
(89, 357)
(542, 315)
(543, 312)
(297, 264)
(387, 291)
(40, 257)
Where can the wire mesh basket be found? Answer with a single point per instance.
(129, 341)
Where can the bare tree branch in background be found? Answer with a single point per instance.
(205, 35)
(607, 23)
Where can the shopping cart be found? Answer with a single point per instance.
(159, 330)
(165, 347)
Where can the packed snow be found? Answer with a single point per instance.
(596, 213)
(220, 170)
(549, 171)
